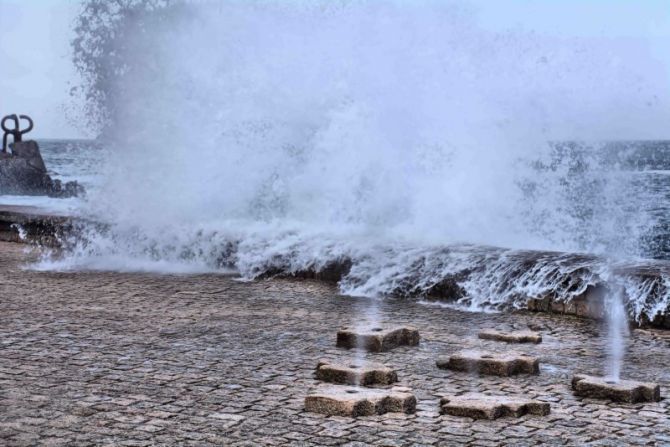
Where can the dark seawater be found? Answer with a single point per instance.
(78, 160)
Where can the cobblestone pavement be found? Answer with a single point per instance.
(141, 359)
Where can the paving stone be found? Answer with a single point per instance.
(622, 391)
(337, 400)
(377, 339)
(487, 363)
(355, 372)
(481, 406)
(216, 361)
(511, 336)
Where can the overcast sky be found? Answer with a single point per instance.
(36, 72)
(35, 67)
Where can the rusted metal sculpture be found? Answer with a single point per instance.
(16, 132)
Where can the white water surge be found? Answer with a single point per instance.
(273, 137)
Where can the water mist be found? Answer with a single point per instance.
(617, 319)
(400, 138)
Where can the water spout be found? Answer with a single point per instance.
(617, 337)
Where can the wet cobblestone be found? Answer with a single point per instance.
(92, 358)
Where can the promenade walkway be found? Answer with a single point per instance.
(91, 358)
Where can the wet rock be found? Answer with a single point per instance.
(486, 363)
(353, 372)
(30, 152)
(622, 391)
(337, 400)
(56, 188)
(481, 406)
(377, 339)
(511, 337)
(23, 172)
(333, 271)
(32, 225)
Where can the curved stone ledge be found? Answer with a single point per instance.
(30, 224)
(27, 224)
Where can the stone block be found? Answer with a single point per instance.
(557, 306)
(539, 305)
(377, 339)
(355, 372)
(481, 406)
(511, 337)
(589, 304)
(339, 400)
(486, 363)
(619, 391)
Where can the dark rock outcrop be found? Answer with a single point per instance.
(23, 172)
(32, 225)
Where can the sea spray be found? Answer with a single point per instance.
(368, 320)
(270, 137)
(471, 277)
(617, 333)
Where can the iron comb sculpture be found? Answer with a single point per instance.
(16, 132)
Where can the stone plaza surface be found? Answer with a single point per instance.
(140, 359)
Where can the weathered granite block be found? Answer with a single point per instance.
(353, 372)
(23, 172)
(338, 400)
(481, 406)
(377, 339)
(511, 337)
(482, 362)
(622, 391)
(590, 304)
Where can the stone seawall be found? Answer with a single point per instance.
(28, 224)
(37, 226)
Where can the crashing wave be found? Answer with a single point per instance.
(468, 276)
(367, 141)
